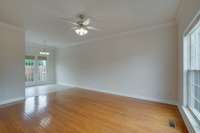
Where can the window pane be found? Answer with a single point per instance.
(194, 51)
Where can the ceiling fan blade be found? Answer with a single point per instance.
(69, 21)
(86, 22)
(74, 28)
(92, 28)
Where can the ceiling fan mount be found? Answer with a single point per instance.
(81, 16)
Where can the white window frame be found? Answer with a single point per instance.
(187, 63)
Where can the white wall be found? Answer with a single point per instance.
(140, 64)
(12, 43)
(34, 49)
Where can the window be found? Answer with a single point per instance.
(192, 41)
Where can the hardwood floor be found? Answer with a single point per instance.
(82, 111)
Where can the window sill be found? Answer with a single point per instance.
(191, 123)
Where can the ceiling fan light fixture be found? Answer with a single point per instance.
(81, 31)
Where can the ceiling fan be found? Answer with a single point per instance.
(82, 25)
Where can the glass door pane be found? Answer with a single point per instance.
(29, 70)
(42, 68)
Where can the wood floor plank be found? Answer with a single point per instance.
(82, 111)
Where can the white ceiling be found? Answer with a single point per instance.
(41, 18)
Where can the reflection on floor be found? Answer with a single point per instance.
(44, 89)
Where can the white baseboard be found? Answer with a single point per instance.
(165, 101)
(64, 84)
(10, 101)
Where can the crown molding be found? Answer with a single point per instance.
(12, 26)
(134, 31)
(38, 45)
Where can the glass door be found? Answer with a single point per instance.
(35, 70)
